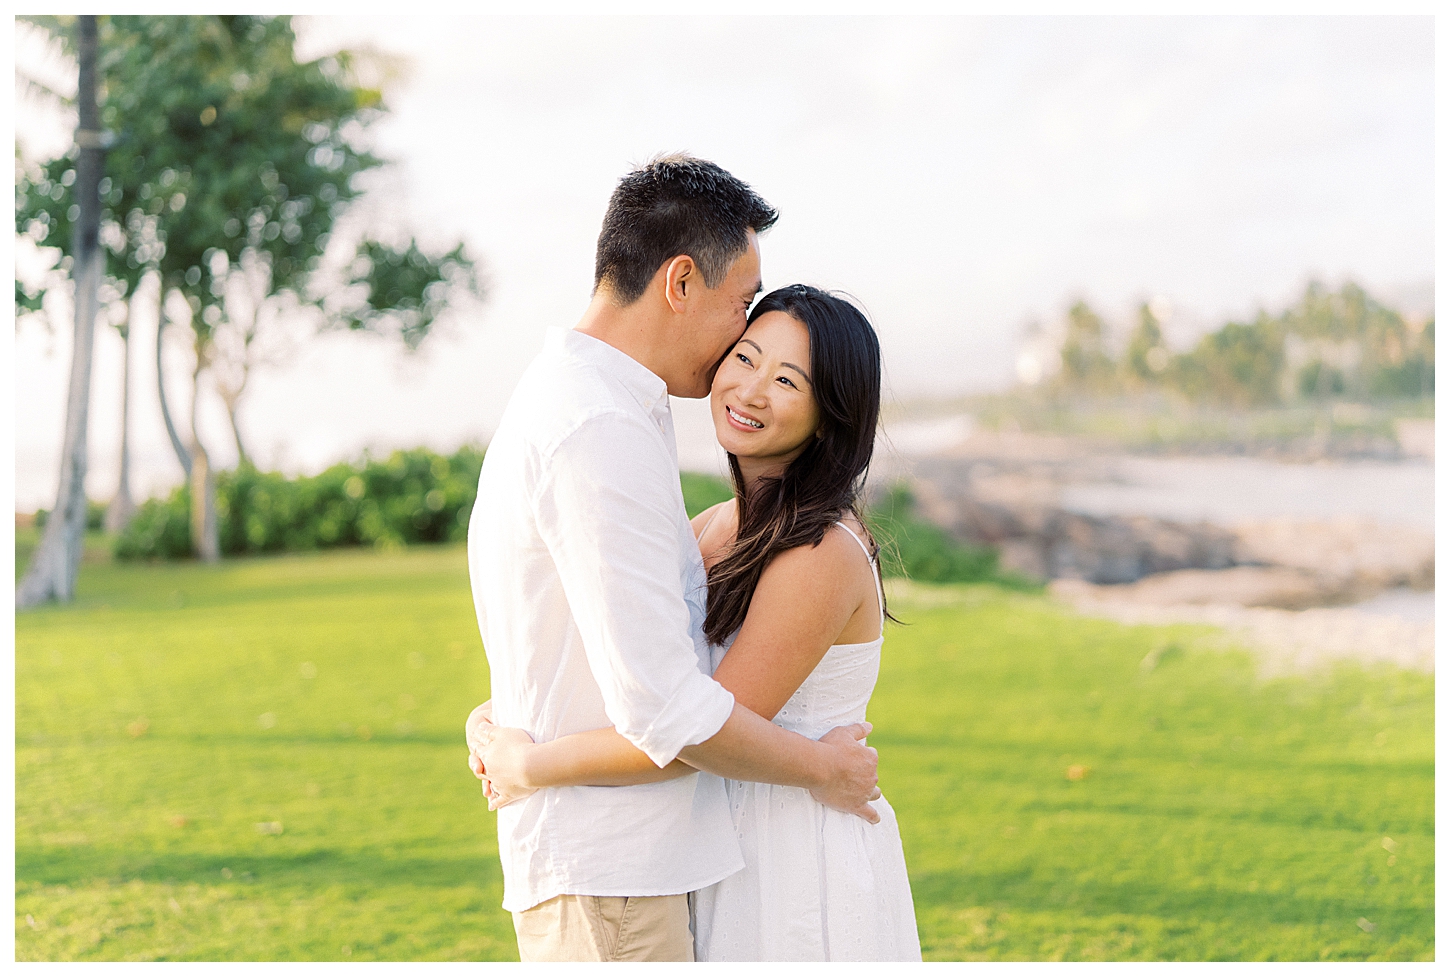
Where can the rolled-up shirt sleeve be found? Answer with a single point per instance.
(608, 513)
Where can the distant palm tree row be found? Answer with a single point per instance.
(1329, 344)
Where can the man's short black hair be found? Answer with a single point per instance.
(675, 205)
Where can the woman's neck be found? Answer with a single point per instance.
(753, 472)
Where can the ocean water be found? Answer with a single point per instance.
(1401, 603)
(1230, 489)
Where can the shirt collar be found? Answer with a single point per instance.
(643, 385)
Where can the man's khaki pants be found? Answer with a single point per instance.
(606, 928)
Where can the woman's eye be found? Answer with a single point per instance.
(786, 380)
(743, 358)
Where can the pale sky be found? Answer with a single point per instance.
(960, 176)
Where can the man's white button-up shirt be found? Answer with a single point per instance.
(590, 594)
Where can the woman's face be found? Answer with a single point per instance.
(762, 401)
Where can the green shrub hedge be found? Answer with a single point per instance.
(910, 546)
(421, 497)
(95, 515)
(414, 496)
(914, 548)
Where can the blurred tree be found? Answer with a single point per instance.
(1238, 365)
(53, 569)
(1425, 359)
(1328, 344)
(1355, 345)
(1086, 365)
(1147, 356)
(122, 506)
(231, 185)
(29, 298)
(1319, 380)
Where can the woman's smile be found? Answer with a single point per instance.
(742, 420)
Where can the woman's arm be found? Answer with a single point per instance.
(805, 599)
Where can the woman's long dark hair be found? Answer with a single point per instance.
(825, 482)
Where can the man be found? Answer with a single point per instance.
(590, 591)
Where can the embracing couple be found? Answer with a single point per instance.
(676, 740)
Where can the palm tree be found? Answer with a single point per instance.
(53, 571)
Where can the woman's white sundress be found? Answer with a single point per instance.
(818, 884)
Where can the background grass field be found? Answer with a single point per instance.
(264, 760)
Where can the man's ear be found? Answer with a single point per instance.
(680, 281)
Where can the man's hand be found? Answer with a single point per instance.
(473, 734)
(853, 783)
(477, 719)
(499, 760)
(496, 755)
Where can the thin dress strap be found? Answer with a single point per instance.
(706, 528)
(875, 572)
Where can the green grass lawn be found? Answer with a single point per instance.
(264, 760)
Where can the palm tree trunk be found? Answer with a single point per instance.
(243, 458)
(182, 455)
(123, 506)
(53, 571)
(232, 398)
(205, 538)
(204, 533)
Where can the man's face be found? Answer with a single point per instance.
(719, 321)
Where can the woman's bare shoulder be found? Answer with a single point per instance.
(837, 554)
(853, 523)
(705, 516)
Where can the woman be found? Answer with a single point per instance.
(795, 406)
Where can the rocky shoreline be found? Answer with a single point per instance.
(1278, 583)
